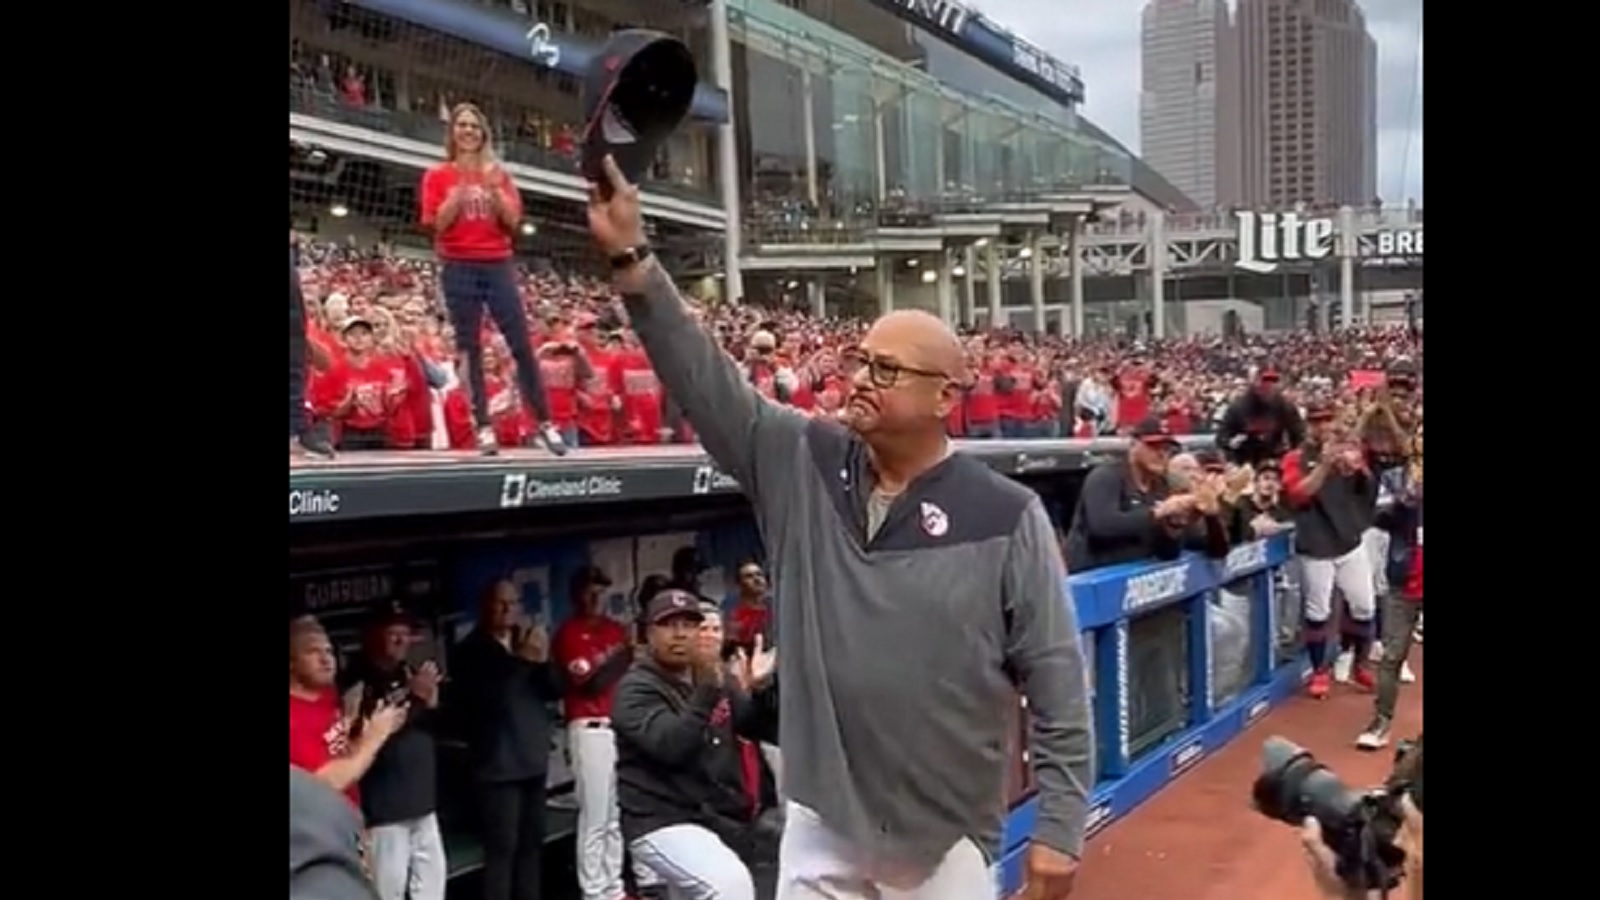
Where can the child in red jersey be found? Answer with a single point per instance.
(364, 395)
(473, 209)
(565, 372)
(981, 404)
(633, 381)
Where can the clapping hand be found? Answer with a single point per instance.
(424, 683)
(385, 720)
(1237, 480)
(1206, 499)
(533, 644)
(755, 669)
(1174, 506)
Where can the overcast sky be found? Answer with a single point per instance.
(1102, 37)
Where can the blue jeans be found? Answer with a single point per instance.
(470, 289)
(297, 350)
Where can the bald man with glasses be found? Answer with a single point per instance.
(918, 591)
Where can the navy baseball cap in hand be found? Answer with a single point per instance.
(636, 92)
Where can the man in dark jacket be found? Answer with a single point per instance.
(1127, 510)
(502, 685)
(399, 794)
(1262, 425)
(678, 716)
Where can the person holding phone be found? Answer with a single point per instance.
(503, 684)
(473, 209)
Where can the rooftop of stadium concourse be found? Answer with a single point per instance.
(863, 83)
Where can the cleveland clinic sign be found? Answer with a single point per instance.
(1268, 240)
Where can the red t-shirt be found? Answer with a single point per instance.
(582, 645)
(318, 734)
(377, 388)
(1133, 397)
(634, 380)
(749, 620)
(475, 235)
(559, 372)
(983, 407)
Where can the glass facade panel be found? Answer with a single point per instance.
(833, 129)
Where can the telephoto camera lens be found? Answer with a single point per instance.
(1358, 826)
(1293, 786)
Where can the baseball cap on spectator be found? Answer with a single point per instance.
(1154, 432)
(687, 561)
(1210, 460)
(1402, 372)
(763, 341)
(1269, 375)
(390, 614)
(354, 322)
(673, 603)
(590, 575)
(1320, 411)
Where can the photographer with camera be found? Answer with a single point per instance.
(1324, 865)
(1361, 844)
(679, 716)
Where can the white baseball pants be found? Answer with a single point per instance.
(593, 749)
(408, 859)
(1376, 541)
(695, 864)
(1351, 573)
(814, 863)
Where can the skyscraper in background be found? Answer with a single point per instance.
(1275, 105)
(1189, 125)
(1309, 106)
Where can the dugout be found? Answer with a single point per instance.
(437, 564)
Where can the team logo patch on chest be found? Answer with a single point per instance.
(935, 521)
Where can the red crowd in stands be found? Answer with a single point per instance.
(383, 360)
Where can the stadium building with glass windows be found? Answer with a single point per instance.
(882, 154)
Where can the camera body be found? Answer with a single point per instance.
(1359, 826)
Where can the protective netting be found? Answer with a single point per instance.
(371, 83)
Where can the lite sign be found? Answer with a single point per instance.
(1268, 240)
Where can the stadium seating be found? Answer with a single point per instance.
(1186, 380)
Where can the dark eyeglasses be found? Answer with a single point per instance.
(883, 373)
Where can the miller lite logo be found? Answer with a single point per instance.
(1268, 239)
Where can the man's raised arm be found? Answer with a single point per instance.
(753, 439)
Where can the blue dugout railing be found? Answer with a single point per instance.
(1108, 601)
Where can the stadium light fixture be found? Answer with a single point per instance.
(980, 243)
(338, 210)
(913, 262)
(1025, 253)
(529, 229)
(959, 271)
(929, 276)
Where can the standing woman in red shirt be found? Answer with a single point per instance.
(473, 209)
